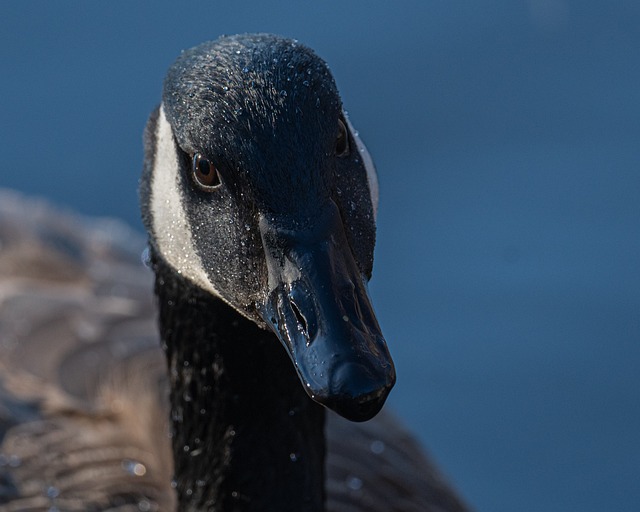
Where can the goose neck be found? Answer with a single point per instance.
(245, 435)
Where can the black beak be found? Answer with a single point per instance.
(319, 308)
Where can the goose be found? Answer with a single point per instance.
(265, 389)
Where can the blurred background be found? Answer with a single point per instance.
(507, 139)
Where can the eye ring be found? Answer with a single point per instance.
(342, 141)
(205, 174)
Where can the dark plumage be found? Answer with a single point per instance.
(263, 315)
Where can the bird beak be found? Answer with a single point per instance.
(319, 308)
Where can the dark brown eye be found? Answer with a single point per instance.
(342, 142)
(205, 173)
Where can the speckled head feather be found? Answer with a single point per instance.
(274, 107)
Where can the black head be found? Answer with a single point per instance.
(257, 189)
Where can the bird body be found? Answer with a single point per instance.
(259, 200)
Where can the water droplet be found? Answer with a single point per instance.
(189, 492)
(225, 88)
(234, 494)
(305, 83)
(134, 467)
(145, 257)
(354, 483)
(52, 492)
(345, 318)
(245, 69)
(293, 457)
(283, 93)
(377, 447)
(144, 506)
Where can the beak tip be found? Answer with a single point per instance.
(357, 393)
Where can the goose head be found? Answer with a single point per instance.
(257, 190)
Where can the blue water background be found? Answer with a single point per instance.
(507, 139)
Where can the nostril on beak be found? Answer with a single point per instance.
(304, 309)
(302, 321)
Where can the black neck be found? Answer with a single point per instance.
(246, 437)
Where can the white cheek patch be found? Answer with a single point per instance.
(372, 175)
(171, 228)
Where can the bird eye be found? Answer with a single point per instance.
(205, 173)
(342, 142)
